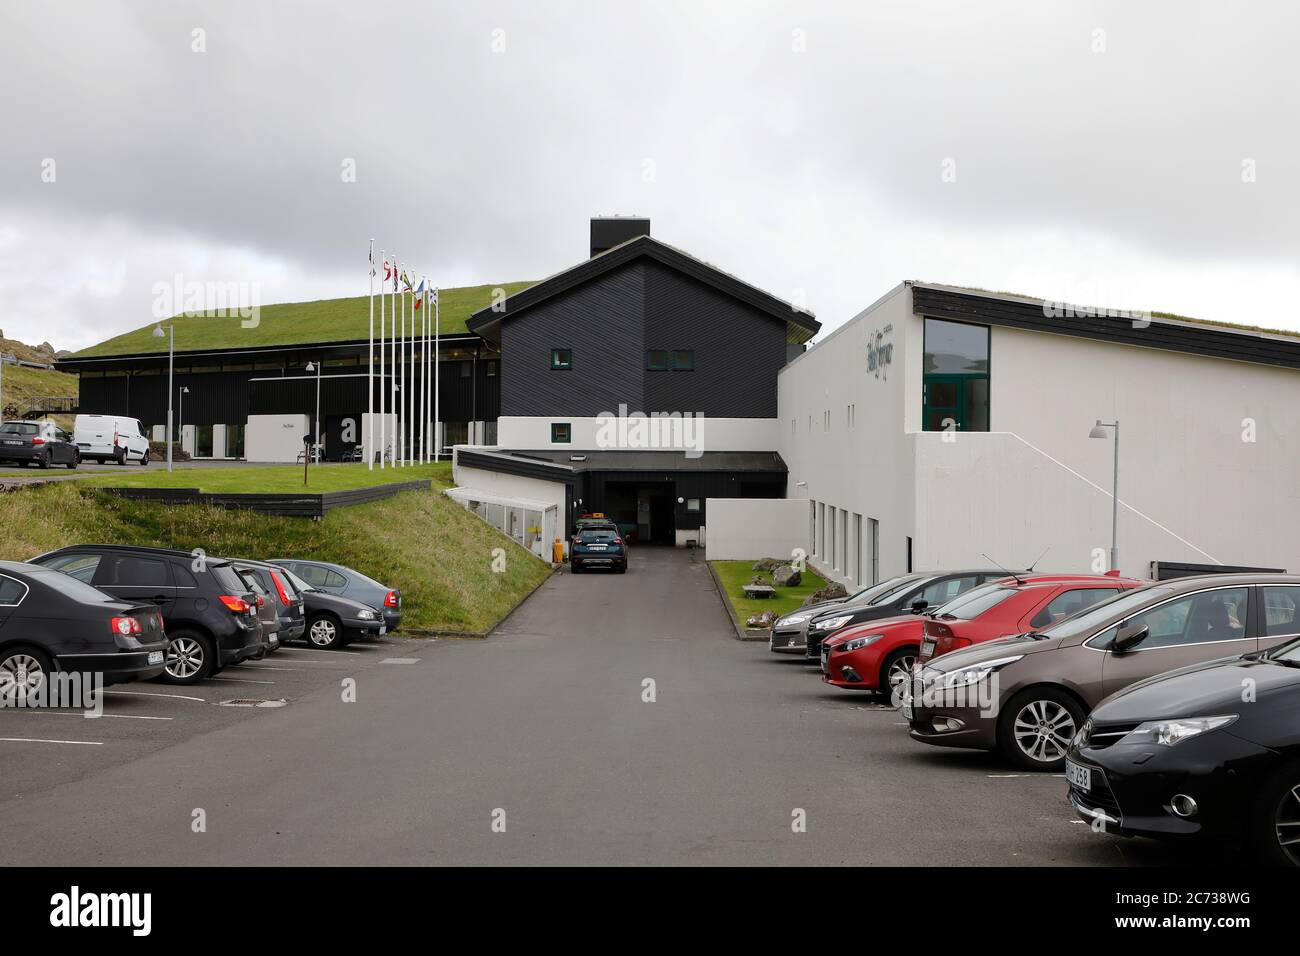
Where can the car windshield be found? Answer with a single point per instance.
(71, 587)
(1097, 615)
(1288, 653)
(598, 534)
(974, 602)
(897, 585)
(19, 428)
(299, 584)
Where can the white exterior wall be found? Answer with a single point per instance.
(753, 528)
(713, 434)
(865, 468)
(274, 438)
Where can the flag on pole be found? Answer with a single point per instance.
(368, 433)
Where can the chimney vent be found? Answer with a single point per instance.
(610, 231)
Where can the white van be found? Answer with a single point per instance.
(111, 438)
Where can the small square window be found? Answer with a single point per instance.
(491, 369)
(656, 360)
(561, 433)
(692, 504)
(561, 359)
(466, 369)
(683, 361)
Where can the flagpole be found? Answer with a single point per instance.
(437, 396)
(383, 404)
(424, 352)
(369, 438)
(401, 351)
(397, 413)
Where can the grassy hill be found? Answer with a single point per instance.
(22, 384)
(439, 554)
(289, 323)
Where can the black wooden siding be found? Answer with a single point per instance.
(609, 323)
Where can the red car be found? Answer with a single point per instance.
(879, 655)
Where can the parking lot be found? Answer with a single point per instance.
(612, 720)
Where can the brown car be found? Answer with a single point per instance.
(1027, 695)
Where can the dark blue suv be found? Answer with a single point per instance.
(598, 548)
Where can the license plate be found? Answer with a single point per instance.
(1077, 776)
(155, 657)
(383, 629)
(908, 712)
(927, 648)
(597, 547)
(790, 642)
(9, 441)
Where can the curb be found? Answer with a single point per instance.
(480, 635)
(750, 634)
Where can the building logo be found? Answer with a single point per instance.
(880, 354)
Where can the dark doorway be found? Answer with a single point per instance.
(342, 436)
(663, 524)
(645, 512)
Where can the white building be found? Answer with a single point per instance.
(941, 425)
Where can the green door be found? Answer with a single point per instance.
(945, 403)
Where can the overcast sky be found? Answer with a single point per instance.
(1137, 155)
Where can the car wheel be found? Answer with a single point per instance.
(1275, 818)
(189, 658)
(622, 569)
(22, 672)
(43, 461)
(1036, 728)
(324, 630)
(144, 459)
(74, 461)
(895, 672)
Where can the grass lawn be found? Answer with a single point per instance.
(268, 479)
(438, 553)
(326, 320)
(734, 574)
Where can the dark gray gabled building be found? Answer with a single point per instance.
(637, 383)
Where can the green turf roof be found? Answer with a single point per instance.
(293, 323)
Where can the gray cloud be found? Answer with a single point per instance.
(1079, 174)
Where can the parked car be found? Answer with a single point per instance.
(1028, 695)
(878, 656)
(52, 622)
(335, 621)
(43, 443)
(1189, 754)
(111, 438)
(789, 633)
(207, 609)
(598, 548)
(1028, 602)
(912, 594)
(345, 582)
(291, 619)
(264, 603)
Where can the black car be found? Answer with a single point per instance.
(44, 443)
(789, 633)
(909, 595)
(1211, 750)
(334, 621)
(50, 622)
(346, 582)
(597, 547)
(275, 584)
(208, 611)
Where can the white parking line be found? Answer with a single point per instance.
(89, 716)
(39, 740)
(267, 667)
(319, 650)
(242, 680)
(139, 693)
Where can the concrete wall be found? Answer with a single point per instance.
(753, 528)
(861, 462)
(709, 434)
(274, 438)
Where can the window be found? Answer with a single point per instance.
(181, 575)
(455, 433)
(873, 541)
(967, 607)
(1204, 618)
(80, 566)
(1070, 602)
(684, 360)
(203, 441)
(656, 360)
(851, 416)
(561, 359)
(941, 592)
(693, 504)
(831, 557)
(11, 592)
(235, 441)
(1281, 607)
(955, 383)
(126, 570)
(492, 369)
(313, 574)
(826, 420)
(467, 369)
(561, 433)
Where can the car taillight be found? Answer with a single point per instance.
(390, 599)
(951, 643)
(38, 441)
(618, 540)
(261, 601)
(126, 626)
(279, 586)
(236, 605)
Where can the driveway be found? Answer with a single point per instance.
(540, 745)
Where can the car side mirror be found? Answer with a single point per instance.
(919, 605)
(1129, 637)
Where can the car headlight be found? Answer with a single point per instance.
(1169, 732)
(966, 676)
(366, 615)
(793, 619)
(858, 643)
(833, 623)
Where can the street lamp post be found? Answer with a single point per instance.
(180, 415)
(171, 355)
(316, 367)
(1099, 431)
